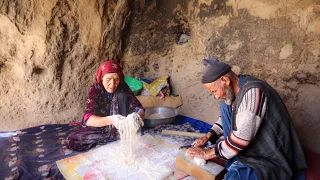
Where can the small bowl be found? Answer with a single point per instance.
(157, 115)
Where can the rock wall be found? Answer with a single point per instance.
(277, 41)
(49, 51)
(49, 54)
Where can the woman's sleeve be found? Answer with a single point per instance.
(91, 103)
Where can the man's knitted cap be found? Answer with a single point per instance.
(214, 69)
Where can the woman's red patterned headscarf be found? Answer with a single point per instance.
(109, 67)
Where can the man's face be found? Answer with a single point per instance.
(221, 91)
(110, 81)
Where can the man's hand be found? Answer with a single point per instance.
(201, 153)
(200, 142)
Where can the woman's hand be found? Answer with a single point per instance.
(141, 113)
(116, 120)
(98, 121)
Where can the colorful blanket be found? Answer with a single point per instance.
(155, 158)
(31, 153)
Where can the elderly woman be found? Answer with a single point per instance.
(109, 96)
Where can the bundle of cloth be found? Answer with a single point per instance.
(156, 87)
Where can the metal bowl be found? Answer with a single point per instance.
(169, 114)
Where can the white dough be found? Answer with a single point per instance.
(129, 129)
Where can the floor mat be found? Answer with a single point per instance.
(31, 153)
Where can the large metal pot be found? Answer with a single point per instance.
(168, 116)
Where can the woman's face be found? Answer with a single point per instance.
(110, 82)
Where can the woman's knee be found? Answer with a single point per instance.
(70, 141)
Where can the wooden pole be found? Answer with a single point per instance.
(182, 133)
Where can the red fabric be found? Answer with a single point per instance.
(86, 116)
(109, 67)
(313, 161)
(219, 161)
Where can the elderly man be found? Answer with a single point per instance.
(258, 138)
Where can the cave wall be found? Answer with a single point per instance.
(49, 51)
(277, 41)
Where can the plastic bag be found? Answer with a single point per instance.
(156, 86)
